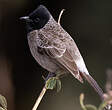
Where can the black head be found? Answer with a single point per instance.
(37, 19)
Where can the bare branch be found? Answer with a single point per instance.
(39, 98)
(60, 16)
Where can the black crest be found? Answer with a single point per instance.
(38, 18)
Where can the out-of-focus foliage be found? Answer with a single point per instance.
(3, 103)
(104, 104)
(87, 106)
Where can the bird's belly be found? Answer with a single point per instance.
(43, 59)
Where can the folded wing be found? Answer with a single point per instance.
(59, 52)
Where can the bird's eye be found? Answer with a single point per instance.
(37, 20)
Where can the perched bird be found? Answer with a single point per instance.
(53, 48)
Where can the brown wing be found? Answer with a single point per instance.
(68, 62)
(59, 52)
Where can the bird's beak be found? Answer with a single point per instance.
(26, 18)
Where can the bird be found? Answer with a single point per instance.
(54, 49)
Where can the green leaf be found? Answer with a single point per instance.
(51, 83)
(3, 102)
(58, 82)
(90, 107)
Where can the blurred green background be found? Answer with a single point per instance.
(21, 77)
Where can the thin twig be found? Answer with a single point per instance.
(43, 91)
(60, 15)
(39, 98)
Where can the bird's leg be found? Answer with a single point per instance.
(50, 75)
(57, 74)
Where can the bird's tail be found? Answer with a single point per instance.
(94, 84)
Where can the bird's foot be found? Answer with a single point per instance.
(50, 75)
